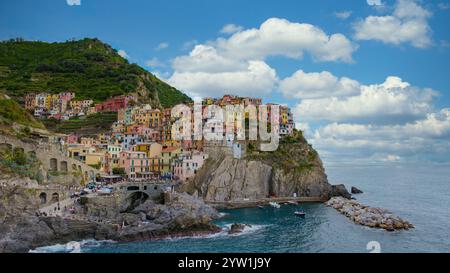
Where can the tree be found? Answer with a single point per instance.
(119, 171)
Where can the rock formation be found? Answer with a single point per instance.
(355, 190)
(99, 218)
(340, 190)
(295, 168)
(367, 216)
(237, 228)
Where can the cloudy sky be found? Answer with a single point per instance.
(368, 80)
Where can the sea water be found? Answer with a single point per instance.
(419, 194)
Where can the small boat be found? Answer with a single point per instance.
(275, 205)
(261, 207)
(292, 203)
(300, 213)
(104, 191)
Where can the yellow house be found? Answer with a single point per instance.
(167, 156)
(79, 151)
(48, 101)
(151, 149)
(96, 158)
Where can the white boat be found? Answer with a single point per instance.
(292, 203)
(300, 213)
(104, 191)
(275, 205)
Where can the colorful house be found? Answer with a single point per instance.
(186, 166)
(95, 159)
(135, 164)
(168, 154)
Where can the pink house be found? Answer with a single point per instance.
(135, 164)
(149, 133)
(72, 139)
(187, 165)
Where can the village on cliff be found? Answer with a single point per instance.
(140, 145)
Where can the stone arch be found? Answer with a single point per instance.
(53, 164)
(135, 199)
(132, 188)
(63, 166)
(55, 197)
(43, 198)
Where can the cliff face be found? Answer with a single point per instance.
(224, 178)
(294, 168)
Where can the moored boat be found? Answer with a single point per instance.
(300, 213)
(274, 205)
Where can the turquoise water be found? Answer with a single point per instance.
(420, 194)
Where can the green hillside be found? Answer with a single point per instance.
(87, 125)
(87, 67)
(11, 111)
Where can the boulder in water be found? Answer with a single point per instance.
(355, 190)
(237, 228)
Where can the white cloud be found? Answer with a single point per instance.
(374, 2)
(205, 58)
(407, 24)
(154, 62)
(391, 101)
(231, 29)
(343, 14)
(209, 67)
(303, 85)
(256, 79)
(122, 53)
(161, 46)
(427, 137)
(73, 2)
(280, 37)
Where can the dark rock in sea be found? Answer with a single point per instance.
(340, 191)
(355, 190)
(237, 228)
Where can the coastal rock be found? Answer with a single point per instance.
(355, 190)
(99, 218)
(237, 228)
(340, 190)
(294, 169)
(234, 179)
(367, 216)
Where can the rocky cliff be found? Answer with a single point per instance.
(294, 168)
(101, 218)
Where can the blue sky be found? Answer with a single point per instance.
(328, 60)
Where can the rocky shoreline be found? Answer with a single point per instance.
(183, 216)
(368, 216)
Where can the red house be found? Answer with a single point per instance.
(71, 139)
(114, 104)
